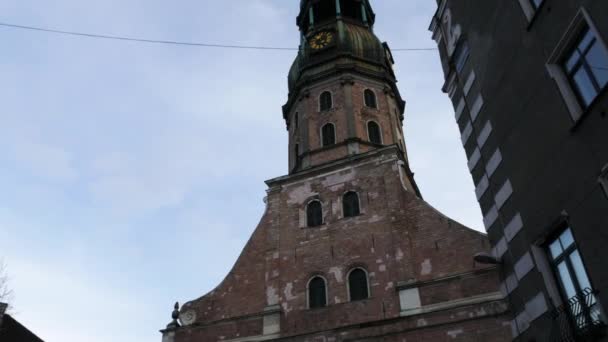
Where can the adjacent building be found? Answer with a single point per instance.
(347, 249)
(13, 331)
(528, 81)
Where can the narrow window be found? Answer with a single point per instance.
(328, 135)
(314, 214)
(574, 282)
(350, 204)
(317, 293)
(325, 101)
(586, 66)
(296, 120)
(461, 55)
(373, 131)
(358, 285)
(370, 98)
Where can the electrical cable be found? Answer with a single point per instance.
(167, 42)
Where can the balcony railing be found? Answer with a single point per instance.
(579, 319)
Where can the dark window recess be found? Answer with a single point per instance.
(328, 133)
(351, 9)
(314, 214)
(373, 130)
(325, 101)
(461, 55)
(350, 204)
(317, 293)
(587, 67)
(573, 279)
(536, 3)
(370, 99)
(357, 284)
(324, 10)
(296, 120)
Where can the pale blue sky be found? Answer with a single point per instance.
(131, 175)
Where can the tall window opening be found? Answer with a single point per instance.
(328, 135)
(586, 66)
(370, 98)
(358, 285)
(351, 9)
(579, 296)
(314, 214)
(324, 10)
(325, 101)
(317, 293)
(373, 131)
(350, 204)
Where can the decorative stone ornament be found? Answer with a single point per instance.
(188, 318)
(175, 315)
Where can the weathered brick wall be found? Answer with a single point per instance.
(398, 239)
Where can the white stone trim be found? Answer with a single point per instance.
(474, 159)
(476, 108)
(482, 187)
(469, 83)
(494, 163)
(409, 299)
(500, 249)
(555, 69)
(490, 217)
(489, 297)
(460, 108)
(484, 134)
(466, 133)
(503, 194)
(514, 227)
(523, 266)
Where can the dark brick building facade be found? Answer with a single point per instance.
(13, 331)
(528, 81)
(347, 250)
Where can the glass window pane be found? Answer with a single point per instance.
(584, 86)
(573, 60)
(579, 270)
(567, 239)
(597, 58)
(586, 41)
(566, 279)
(556, 249)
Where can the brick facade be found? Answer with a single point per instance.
(423, 282)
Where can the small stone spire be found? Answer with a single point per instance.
(175, 315)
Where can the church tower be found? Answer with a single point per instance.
(347, 250)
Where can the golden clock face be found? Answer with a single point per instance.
(321, 40)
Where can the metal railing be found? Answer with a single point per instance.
(579, 319)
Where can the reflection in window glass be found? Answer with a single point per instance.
(587, 67)
(567, 282)
(567, 239)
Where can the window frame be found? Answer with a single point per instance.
(308, 293)
(358, 204)
(369, 138)
(604, 180)
(348, 290)
(375, 98)
(322, 134)
(308, 224)
(331, 101)
(556, 70)
(530, 9)
(458, 61)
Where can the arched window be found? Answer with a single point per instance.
(370, 98)
(358, 285)
(314, 214)
(328, 135)
(373, 131)
(325, 101)
(317, 293)
(350, 204)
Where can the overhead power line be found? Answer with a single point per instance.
(167, 42)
